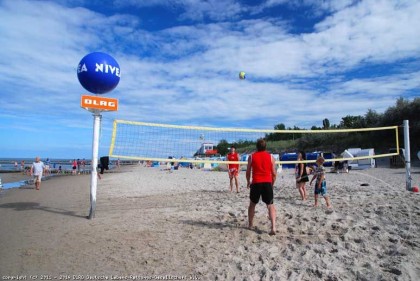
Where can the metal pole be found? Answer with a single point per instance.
(407, 155)
(94, 174)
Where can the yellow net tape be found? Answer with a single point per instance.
(254, 130)
(144, 141)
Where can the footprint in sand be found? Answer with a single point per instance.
(289, 216)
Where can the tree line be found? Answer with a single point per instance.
(382, 141)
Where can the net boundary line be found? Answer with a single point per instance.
(119, 121)
(243, 162)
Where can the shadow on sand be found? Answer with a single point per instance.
(29, 206)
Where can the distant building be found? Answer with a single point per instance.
(206, 150)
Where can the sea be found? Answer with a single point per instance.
(10, 165)
(14, 164)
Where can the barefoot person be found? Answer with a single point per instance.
(301, 176)
(320, 183)
(37, 169)
(233, 169)
(263, 169)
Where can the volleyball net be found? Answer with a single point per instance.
(193, 144)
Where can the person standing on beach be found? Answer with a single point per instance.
(74, 166)
(79, 163)
(47, 166)
(233, 169)
(262, 166)
(83, 165)
(301, 175)
(37, 169)
(320, 183)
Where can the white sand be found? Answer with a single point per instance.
(185, 223)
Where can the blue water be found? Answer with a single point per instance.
(21, 183)
(14, 184)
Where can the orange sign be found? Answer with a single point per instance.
(96, 102)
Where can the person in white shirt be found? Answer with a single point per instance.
(37, 169)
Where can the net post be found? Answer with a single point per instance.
(407, 155)
(94, 174)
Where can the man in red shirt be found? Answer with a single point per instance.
(262, 165)
(233, 169)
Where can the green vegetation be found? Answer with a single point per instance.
(382, 141)
(273, 146)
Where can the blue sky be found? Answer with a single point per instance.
(305, 61)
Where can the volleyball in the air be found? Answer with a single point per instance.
(241, 75)
(98, 73)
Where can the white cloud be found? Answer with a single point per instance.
(372, 31)
(384, 87)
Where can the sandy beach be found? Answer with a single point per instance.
(185, 224)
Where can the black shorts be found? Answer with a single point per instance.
(263, 190)
(303, 179)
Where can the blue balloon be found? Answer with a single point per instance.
(99, 73)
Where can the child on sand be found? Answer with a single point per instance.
(301, 176)
(320, 183)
